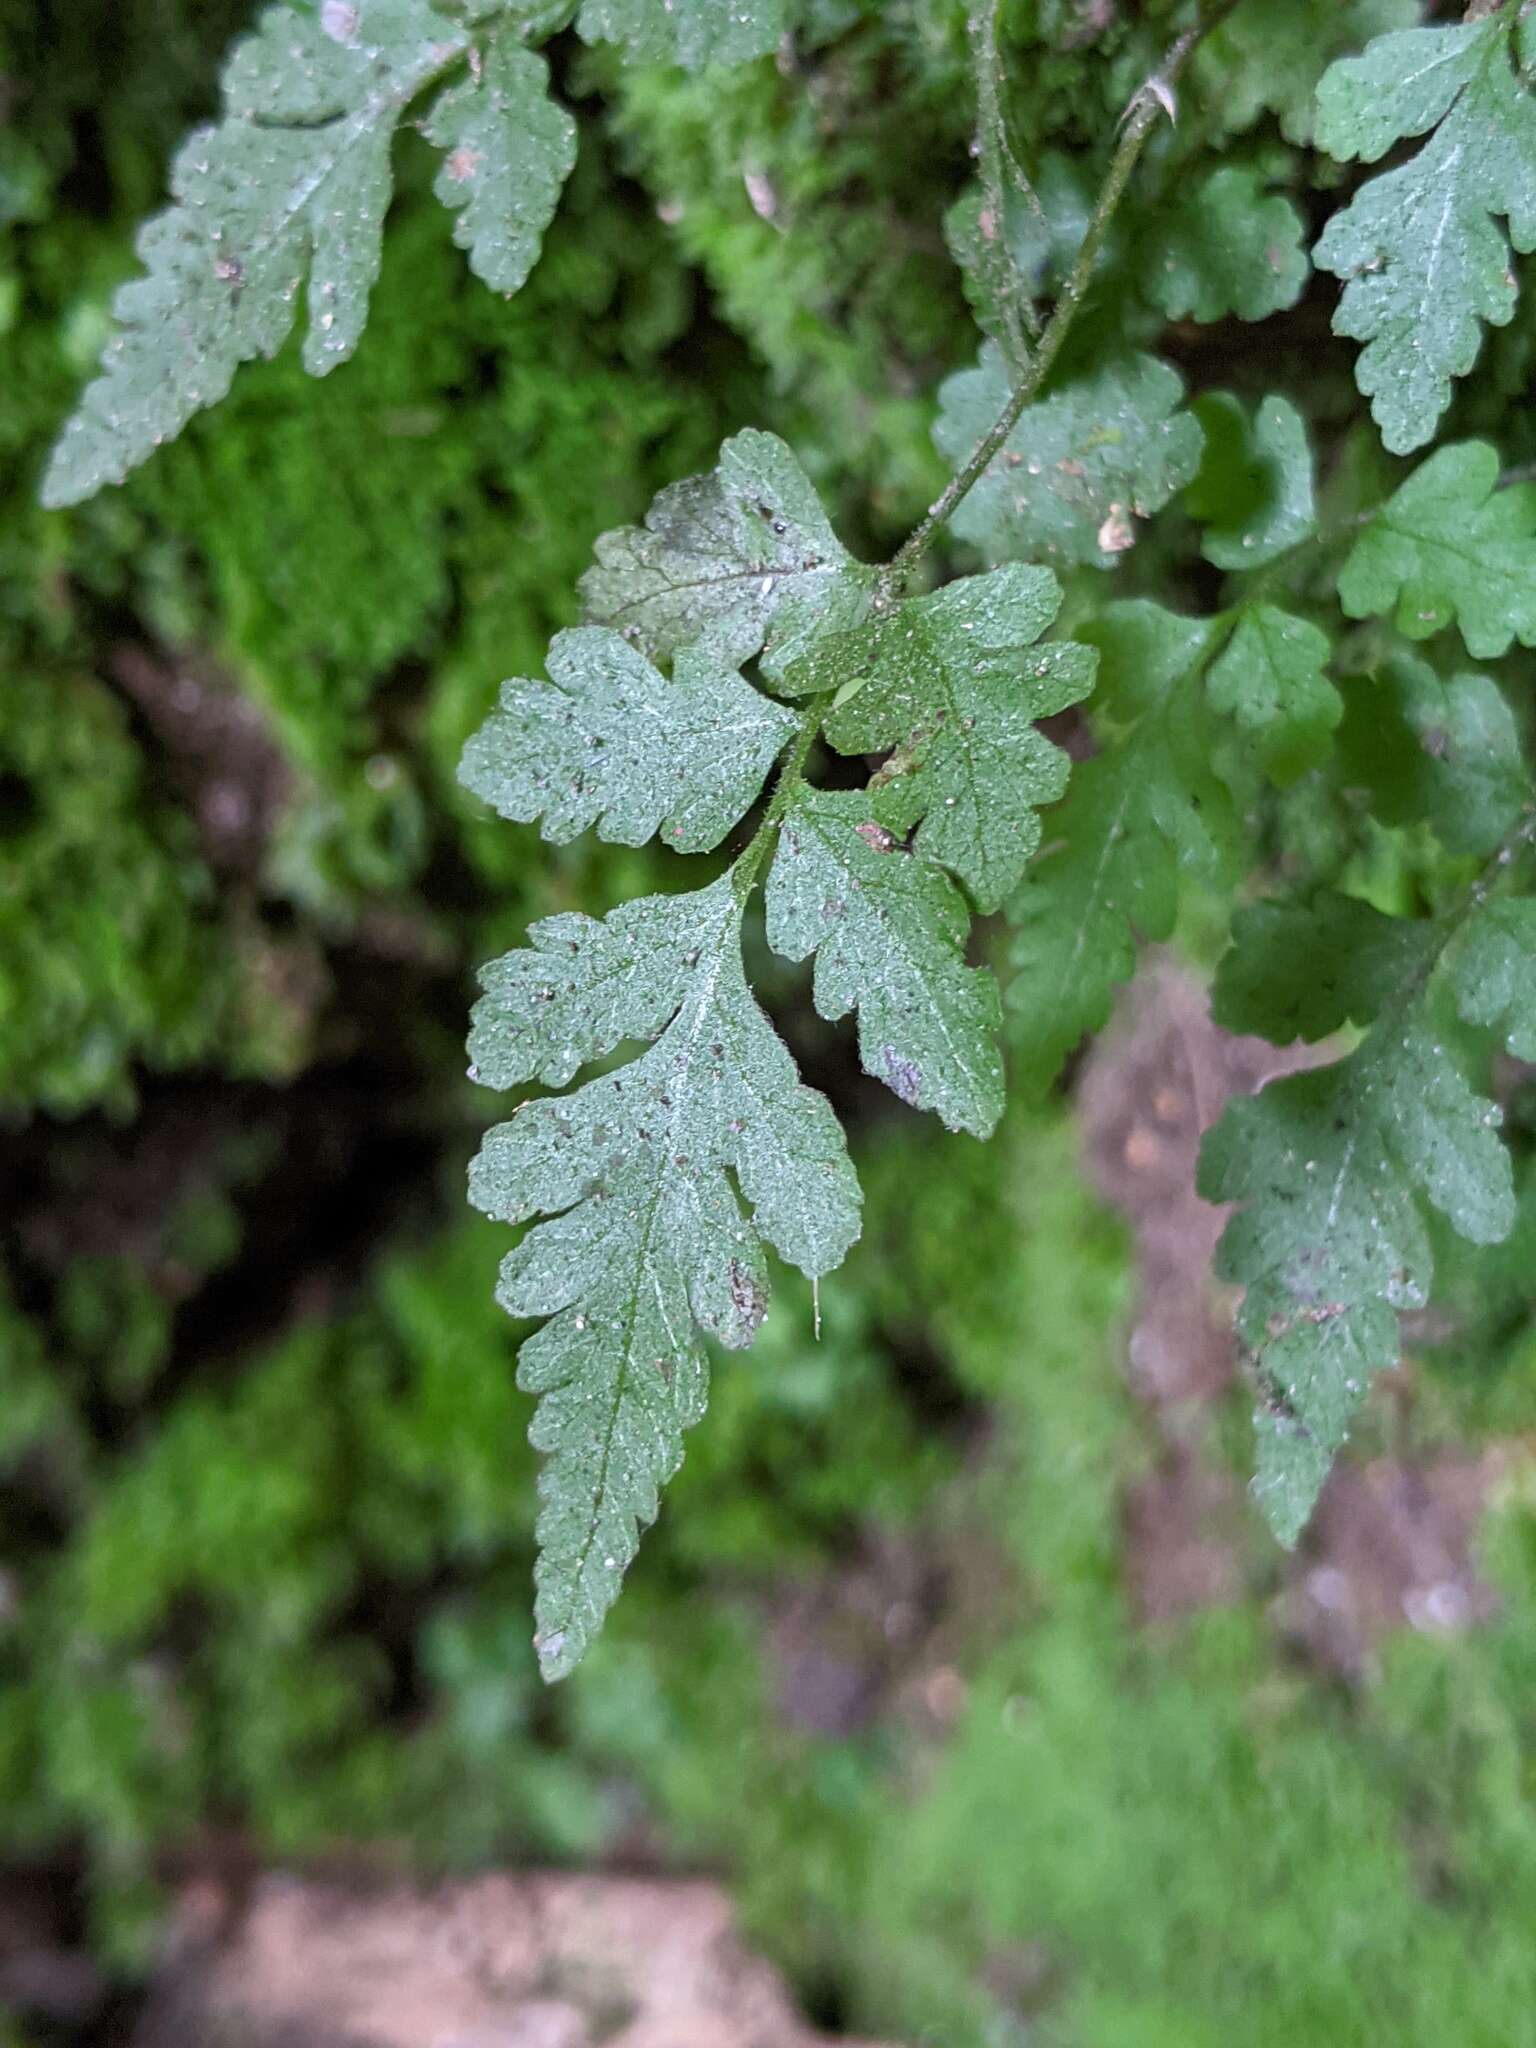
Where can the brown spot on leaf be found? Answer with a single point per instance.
(904, 1075)
(747, 1295)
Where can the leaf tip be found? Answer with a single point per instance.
(558, 1653)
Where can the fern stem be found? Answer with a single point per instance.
(791, 775)
(1150, 99)
(995, 161)
(1516, 842)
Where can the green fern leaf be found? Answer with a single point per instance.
(1442, 751)
(509, 150)
(1494, 965)
(295, 178)
(954, 682)
(647, 1239)
(1226, 246)
(692, 33)
(1146, 814)
(1450, 545)
(608, 740)
(1254, 486)
(1298, 970)
(1078, 468)
(1423, 260)
(742, 559)
(1270, 679)
(1330, 1169)
(1265, 57)
(888, 930)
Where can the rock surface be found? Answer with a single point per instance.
(497, 1962)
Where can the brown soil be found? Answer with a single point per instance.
(1392, 1543)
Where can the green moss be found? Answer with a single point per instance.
(807, 198)
(1152, 1839)
(374, 552)
(111, 948)
(1130, 1838)
(367, 556)
(1183, 1840)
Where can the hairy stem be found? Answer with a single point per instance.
(1516, 841)
(1017, 318)
(1151, 100)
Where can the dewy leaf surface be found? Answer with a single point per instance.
(1270, 678)
(954, 683)
(1330, 1169)
(888, 930)
(1227, 246)
(1402, 85)
(509, 150)
(692, 33)
(295, 177)
(647, 1239)
(1494, 965)
(535, 18)
(1144, 814)
(609, 741)
(1450, 545)
(743, 559)
(1078, 468)
(1418, 247)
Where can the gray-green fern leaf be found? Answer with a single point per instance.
(692, 33)
(742, 559)
(888, 929)
(1331, 1170)
(294, 181)
(653, 1190)
(954, 684)
(1423, 260)
(609, 740)
(648, 1240)
(508, 150)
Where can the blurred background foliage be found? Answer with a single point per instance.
(265, 1528)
